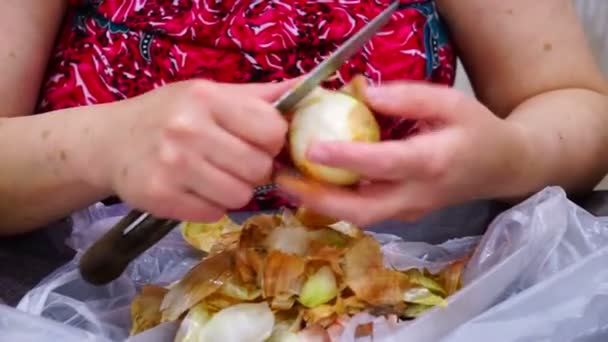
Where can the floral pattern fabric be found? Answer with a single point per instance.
(110, 50)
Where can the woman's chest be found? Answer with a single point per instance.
(115, 49)
(249, 25)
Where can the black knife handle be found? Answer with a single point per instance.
(110, 255)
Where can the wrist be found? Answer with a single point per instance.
(94, 140)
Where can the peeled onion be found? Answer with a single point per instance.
(325, 116)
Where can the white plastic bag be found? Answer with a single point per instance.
(523, 246)
(570, 306)
(105, 310)
(19, 326)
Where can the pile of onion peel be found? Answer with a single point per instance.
(281, 280)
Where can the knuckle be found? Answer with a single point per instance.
(436, 162)
(180, 123)
(170, 156)
(282, 126)
(197, 88)
(275, 126)
(156, 189)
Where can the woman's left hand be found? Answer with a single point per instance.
(466, 153)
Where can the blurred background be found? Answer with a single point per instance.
(594, 16)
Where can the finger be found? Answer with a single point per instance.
(362, 207)
(236, 156)
(411, 215)
(178, 204)
(416, 100)
(252, 120)
(215, 185)
(388, 160)
(190, 207)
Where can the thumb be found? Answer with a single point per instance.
(415, 100)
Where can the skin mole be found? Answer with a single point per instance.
(63, 155)
(548, 47)
(45, 134)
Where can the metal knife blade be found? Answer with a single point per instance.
(322, 71)
(109, 256)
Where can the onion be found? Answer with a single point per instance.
(252, 322)
(191, 327)
(325, 116)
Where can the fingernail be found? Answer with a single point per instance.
(318, 153)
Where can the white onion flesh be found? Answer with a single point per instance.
(291, 240)
(327, 116)
(252, 322)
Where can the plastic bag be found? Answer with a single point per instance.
(104, 311)
(19, 326)
(524, 246)
(570, 306)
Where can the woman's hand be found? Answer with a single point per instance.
(190, 150)
(465, 153)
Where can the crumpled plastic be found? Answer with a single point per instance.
(542, 245)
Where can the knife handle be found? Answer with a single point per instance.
(109, 256)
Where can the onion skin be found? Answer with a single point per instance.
(326, 116)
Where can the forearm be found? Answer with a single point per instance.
(565, 138)
(41, 178)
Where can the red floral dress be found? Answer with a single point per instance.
(110, 50)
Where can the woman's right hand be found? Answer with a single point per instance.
(190, 150)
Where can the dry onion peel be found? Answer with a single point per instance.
(337, 272)
(145, 308)
(202, 280)
(282, 274)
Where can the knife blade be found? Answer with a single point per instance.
(329, 65)
(108, 257)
